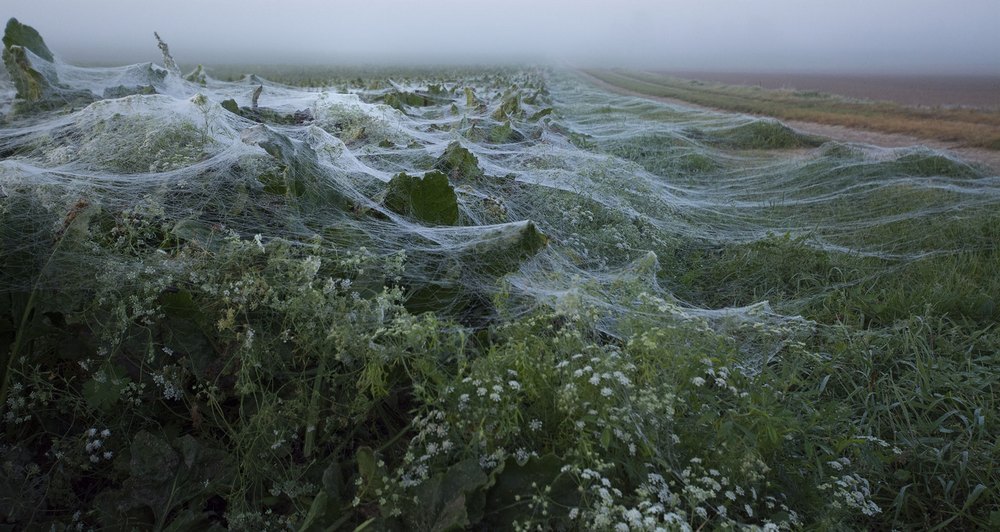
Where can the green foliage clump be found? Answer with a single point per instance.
(38, 89)
(122, 91)
(757, 135)
(138, 145)
(402, 99)
(504, 133)
(510, 107)
(296, 172)
(197, 76)
(263, 115)
(471, 100)
(664, 155)
(929, 165)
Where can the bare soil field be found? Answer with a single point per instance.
(920, 90)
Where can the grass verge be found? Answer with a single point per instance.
(965, 127)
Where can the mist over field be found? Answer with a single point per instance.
(891, 36)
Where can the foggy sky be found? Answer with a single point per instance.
(893, 36)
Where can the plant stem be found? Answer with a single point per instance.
(22, 329)
(313, 417)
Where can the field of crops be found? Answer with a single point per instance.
(482, 299)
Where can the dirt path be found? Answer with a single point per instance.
(988, 158)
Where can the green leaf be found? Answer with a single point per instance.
(180, 304)
(500, 249)
(505, 132)
(231, 106)
(17, 34)
(103, 391)
(453, 516)
(37, 88)
(606, 437)
(369, 469)
(326, 511)
(510, 106)
(461, 478)
(430, 199)
(317, 510)
(458, 163)
(470, 98)
(165, 478)
(153, 460)
(540, 114)
(367, 463)
(333, 481)
(444, 496)
(974, 496)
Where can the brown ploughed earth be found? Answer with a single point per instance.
(937, 90)
(979, 92)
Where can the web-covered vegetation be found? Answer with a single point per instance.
(482, 299)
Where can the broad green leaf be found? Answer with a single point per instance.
(540, 114)
(444, 495)
(103, 391)
(430, 199)
(17, 34)
(458, 163)
(165, 477)
(317, 510)
(152, 460)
